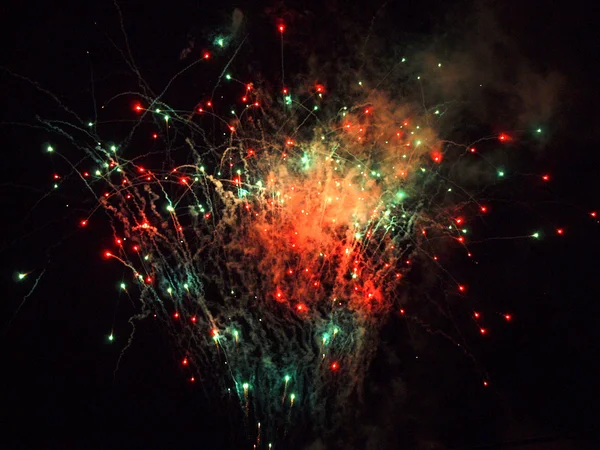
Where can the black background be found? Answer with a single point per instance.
(58, 384)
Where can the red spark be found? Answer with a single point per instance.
(335, 366)
(206, 55)
(472, 150)
(559, 231)
(504, 137)
(508, 317)
(485, 383)
(482, 330)
(209, 104)
(476, 314)
(192, 379)
(176, 315)
(184, 362)
(155, 136)
(459, 220)
(83, 223)
(546, 177)
(461, 288)
(194, 319)
(437, 156)
(483, 209)
(137, 107)
(593, 214)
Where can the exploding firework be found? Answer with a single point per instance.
(273, 238)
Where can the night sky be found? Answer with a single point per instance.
(64, 385)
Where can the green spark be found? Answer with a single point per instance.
(539, 130)
(287, 378)
(22, 275)
(228, 77)
(501, 173)
(245, 386)
(111, 337)
(90, 124)
(535, 235)
(123, 286)
(50, 149)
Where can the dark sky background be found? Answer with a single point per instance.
(58, 388)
